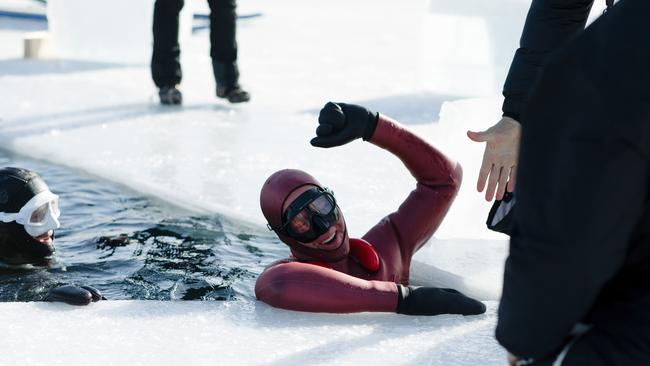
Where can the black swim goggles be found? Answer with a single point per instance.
(309, 216)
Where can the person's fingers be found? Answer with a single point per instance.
(333, 115)
(324, 142)
(95, 293)
(512, 179)
(483, 173)
(492, 182)
(503, 182)
(324, 129)
(478, 136)
(512, 360)
(327, 116)
(331, 105)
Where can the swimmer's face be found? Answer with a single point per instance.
(333, 238)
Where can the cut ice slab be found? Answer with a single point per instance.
(238, 333)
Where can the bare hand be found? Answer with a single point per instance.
(512, 359)
(499, 167)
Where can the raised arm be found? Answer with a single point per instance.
(438, 180)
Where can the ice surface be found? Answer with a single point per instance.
(237, 333)
(409, 60)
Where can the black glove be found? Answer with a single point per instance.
(415, 300)
(340, 123)
(73, 295)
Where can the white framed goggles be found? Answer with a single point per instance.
(39, 215)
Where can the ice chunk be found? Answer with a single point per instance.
(467, 46)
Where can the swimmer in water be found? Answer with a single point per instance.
(330, 272)
(29, 215)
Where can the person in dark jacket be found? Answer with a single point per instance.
(330, 272)
(165, 60)
(549, 25)
(576, 289)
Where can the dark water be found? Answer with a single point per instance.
(135, 247)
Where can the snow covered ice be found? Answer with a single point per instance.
(436, 66)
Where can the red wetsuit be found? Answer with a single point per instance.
(347, 286)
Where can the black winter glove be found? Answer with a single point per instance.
(415, 300)
(73, 295)
(340, 123)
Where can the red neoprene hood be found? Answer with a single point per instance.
(275, 191)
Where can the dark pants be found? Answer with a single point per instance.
(165, 60)
(598, 347)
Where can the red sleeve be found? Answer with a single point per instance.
(307, 287)
(438, 180)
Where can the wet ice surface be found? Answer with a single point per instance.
(239, 333)
(134, 247)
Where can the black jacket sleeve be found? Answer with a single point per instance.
(549, 24)
(583, 181)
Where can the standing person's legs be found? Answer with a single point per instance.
(165, 59)
(223, 51)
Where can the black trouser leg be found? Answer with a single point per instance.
(165, 60)
(223, 42)
(600, 348)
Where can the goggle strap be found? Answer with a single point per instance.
(8, 217)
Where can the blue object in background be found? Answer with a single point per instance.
(203, 19)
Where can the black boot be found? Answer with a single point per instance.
(170, 95)
(234, 94)
(227, 77)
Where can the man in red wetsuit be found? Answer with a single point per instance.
(330, 272)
